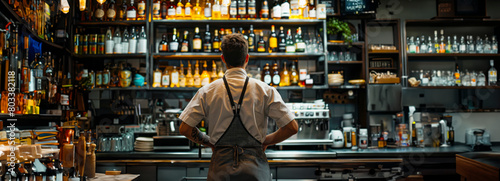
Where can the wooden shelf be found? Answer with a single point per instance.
(110, 56)
(453, 22)
(411, 55)
(454, 87)
(30, 116)
(121, 88)
(174, 88)
(347, 87)
(302, 88)
(193, 55)
(104, 24)
(295, 22)
(382, 68)
(384, 52)
(345, 62)
(346, 44)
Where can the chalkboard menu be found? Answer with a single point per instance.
(359, 6)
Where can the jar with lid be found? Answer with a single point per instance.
(363, 138)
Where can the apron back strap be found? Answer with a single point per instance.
(236, 108)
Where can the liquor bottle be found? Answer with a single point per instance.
(251, 40)
(187, 11)
(207, 44)
(174, 44)
(494, 44)
(471, 48)
(106, 77)
(436, 42)
(122, 14)
(117, 38)
(213, 74)
(179, 10)
(132, 47)
(457, 76)
(241, 31)
(252, 9)
(273, 41)
(205, 77)
(463, 47)
(216, 42)
(487, 44)
(281, 40)
(156, 10)
(276, 11)
(220, 74)
(285, 9)
(290, 46)
(449, 45)
(175, 78)
(442, 44)
(198, 11)
(294, 9)
(242, 9)
(430, 46)
(189, 76)
(264, 10)
(99, 12)
(311, 10)
(182, 77)
(300, 45)
(25, 74)
(208, 10)
(261, 45)
(131, 12)
(216, 11)
(266, 75)
(294, 75)
(197, 43)
(141, 10)
(233, 9)
(196, 76)
(454, 47)
(224, 9)
(185, 43)
(142, 43)
(164, 9)
(171, 10)
(479, 45)
(110, 43)
(111, 12)
(275, 76)
(165, 78)
(163, 46)
(492, 74)
(285, 76)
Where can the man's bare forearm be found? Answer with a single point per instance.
(195, 135)
(281, 134)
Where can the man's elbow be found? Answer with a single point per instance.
(293, 127)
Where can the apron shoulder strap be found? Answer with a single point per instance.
(236, 110)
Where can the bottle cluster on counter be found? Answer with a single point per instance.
(113, 42)
(466, 44)
(208, 43)
(206, 10)
(455, 78)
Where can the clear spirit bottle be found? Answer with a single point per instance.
(462, 47)
(479, 45)
(486, 44)
(492, 74)
(454, 47)
(494, 44)
(423, 45)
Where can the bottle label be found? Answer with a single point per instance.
(205, 81)
(312, 13)
(216, 45)
(99, 13)
(276, 79)
(109, 46)
(187, 11)
(111, 13)
(141, 7)
(261, 48)
(162, 47)
(295, 7)
(175, 78)
(131, 14)
(189, 81)
(286, 80)
(98, 79)
(301, 45)
(207, 47)
(273, 42)
(125, 47)
(182, 82)
(264, 12)
(267, 79)
(223, 10)
(171, 12)
(185, 47)
(242, 10)
(156, 9)
(250, 41)
(196, 81)
(208, 12)
(285, 10)
(216, 8)
(233, 10)
(197, 44)
(142, 46)
(251, 9)
(118, 48)
(165, 80)
(276, 12)
(290, 49)
(132, 47)
(174, 46)
(105, 79)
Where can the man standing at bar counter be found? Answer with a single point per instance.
(237, 131)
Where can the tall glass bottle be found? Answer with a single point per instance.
(141, 10)
(290, 45)
(216, 11)
(111, 12)
(494, 44)
(457, 76)
(125, 42)
(216, 42)
(294, 76)
(197, 11)
(252, 9)
(462, 48)
(275, 76)
(285, 9)
(142, 42)
(442, 43)
(224, 9)
(196, 76)
(487, 44)
(179, 10)
(174, 76)
(157, 76)
(273, 41)
(207, 43)
(264, 10)
(122, 13)
(300, 45)
(174, 44)
(311, 10)
(110, 43)
(436, 42)
(492, 74)
(189, 76)
(276, 11)
(294, 9)
(455, 45)
(132, 47)
(164, 9)
(171, 10)
(285, 76)
(185, 42)
(471, 48)
(281, 40)
(251, 40)
(208, 10)
(213, 74)
(242, 9)
(233, 9)
(261, 45)
(188, 13)
(205, 77)
(197, 42)
(131, 12)
(182, 77)
(165, 78)
(99, 12)
(266, 75)
(163, 45)
(156, 10)
(479, 45)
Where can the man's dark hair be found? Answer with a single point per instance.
(235, 49)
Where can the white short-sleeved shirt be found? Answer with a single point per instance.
(211, 103)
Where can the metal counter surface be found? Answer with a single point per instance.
(302, 154)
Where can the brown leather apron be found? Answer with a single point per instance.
(238, 155)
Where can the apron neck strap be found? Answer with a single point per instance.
(236, 110)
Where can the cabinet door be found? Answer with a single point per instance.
(147, 172)
(197, 173)
(171, 173)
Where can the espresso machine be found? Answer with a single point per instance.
(168, 137)
(314, 125)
